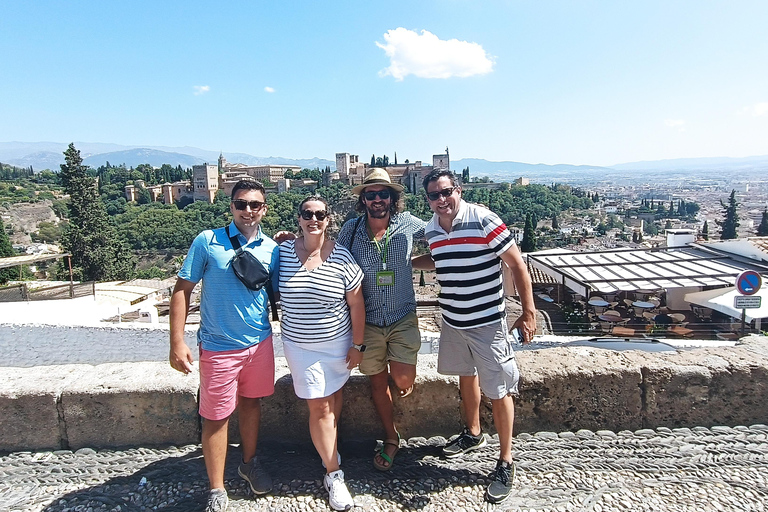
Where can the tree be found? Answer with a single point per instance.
(730, 223)
(762, 229)
(668, 224)
(97, 251)
(395, 157)
(422, 282)
(529, 237)
(6, 250)
(705, 231)
(555, 223)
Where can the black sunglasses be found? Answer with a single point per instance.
(371, 196)
(240, 204)
(434, 196)
(319, 214)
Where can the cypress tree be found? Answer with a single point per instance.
(730, 223)
(97, 252)
(762, 229)
(529, 237)
(422, 282)
(705, 231)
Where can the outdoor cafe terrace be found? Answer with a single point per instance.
(671, 292)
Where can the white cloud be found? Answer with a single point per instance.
(675, 123)
(201, 89)
(758, 109)
(426, 56)
(269, 89)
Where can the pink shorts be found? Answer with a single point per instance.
(224, 376)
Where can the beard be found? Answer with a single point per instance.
(376, 212)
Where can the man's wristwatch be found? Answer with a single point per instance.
(359, 348)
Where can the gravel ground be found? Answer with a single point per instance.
(695, 469)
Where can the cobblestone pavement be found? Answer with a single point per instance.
(695, 469)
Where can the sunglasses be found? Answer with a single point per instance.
(319, 214)
(241, 204)
(446, 192)
(371, 196)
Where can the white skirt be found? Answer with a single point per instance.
(318, 369)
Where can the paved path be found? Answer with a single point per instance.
(656, 470)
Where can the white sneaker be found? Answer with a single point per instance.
(338, 494)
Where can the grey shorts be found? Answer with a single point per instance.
(483, 351)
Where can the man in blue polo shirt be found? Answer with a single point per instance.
(237, 366)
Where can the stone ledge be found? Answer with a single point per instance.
(563, 388)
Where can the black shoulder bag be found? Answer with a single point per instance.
(251, 272)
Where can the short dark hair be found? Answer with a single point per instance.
(248, 185)
(396, 201)
(436, 174)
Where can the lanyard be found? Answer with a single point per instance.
(378, 246)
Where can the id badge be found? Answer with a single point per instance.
(385, 278)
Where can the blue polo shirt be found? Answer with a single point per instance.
(232, 317)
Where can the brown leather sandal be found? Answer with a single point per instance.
(389, 458)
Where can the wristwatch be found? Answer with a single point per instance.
(359, 348)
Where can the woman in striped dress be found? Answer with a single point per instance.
(322, 325)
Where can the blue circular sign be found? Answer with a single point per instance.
(748, 282)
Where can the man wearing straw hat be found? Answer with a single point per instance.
(381, 240)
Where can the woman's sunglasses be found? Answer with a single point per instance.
(319, 215)
(446, 192)
(240, 204)
(371, 196)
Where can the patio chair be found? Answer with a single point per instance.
(606, 327)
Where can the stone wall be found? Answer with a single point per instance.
(131, 404)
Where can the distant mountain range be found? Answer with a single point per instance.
(49, 155)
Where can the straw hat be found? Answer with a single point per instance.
(377, 176)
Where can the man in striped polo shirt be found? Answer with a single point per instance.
(468, 244)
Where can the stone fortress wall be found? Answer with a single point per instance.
(562, 389)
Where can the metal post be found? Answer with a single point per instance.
(743, 320)
(71, 284)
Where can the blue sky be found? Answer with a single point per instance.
(578, 82)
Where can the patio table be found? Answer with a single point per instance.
(643, 304)
(598, 302)
(611, 318)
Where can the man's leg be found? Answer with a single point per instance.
(249, 418)
(382, 400)
(469, 387)
(403, 374)
(503, 420)
(215, 450)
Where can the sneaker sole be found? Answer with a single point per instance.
(496, 499)
(470, 449)
(347, 507)
(254, 491)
